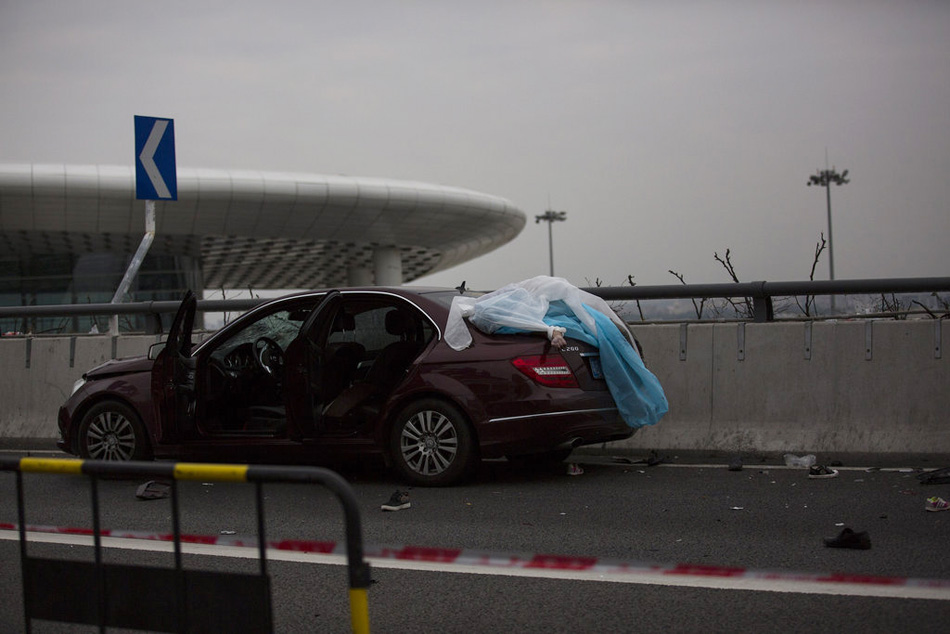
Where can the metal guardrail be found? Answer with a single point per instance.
(774, 289)
(83, 592)
(151, 310)
(761, 294)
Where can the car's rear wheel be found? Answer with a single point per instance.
(432, 444)
(112, 431)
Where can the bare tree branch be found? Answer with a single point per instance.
(945, 303)
(929, 312)
(639, 308)
(617, 307)
(893, 305)
(727, 264)
(810, 299)
(742, 309)
(702, 302)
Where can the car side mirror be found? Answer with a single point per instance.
(155, 349)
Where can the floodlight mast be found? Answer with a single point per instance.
(551, 217)
(826, 178)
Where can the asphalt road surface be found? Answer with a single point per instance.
(730, 525)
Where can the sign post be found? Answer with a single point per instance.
(156, 177)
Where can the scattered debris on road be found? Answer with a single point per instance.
(153, 490)
(397, 501)
(848, 538)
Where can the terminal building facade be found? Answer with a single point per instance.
(68, 233)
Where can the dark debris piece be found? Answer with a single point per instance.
(848, 538)
(937, 476)
(153, 490)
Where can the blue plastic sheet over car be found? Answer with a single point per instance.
(555, 307)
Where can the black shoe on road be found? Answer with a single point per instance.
(397, 501)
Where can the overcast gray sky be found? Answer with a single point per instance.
(667, 130)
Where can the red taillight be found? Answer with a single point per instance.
(550, 370)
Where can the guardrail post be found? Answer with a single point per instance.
(762, 304)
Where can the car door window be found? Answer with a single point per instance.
(371, 326)
(281, 326)
(245, 374)
(387, 334)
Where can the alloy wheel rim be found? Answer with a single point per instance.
(111, 436)
(429, 442)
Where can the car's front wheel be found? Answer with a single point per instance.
(432, 444)
(112, 431)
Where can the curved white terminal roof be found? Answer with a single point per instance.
(254, 229)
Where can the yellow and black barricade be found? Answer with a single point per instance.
(172, 599)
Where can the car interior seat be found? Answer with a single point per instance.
(392, 361)
(342, 358)
(387, 370)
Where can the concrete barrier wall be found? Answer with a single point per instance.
(856, 386)
(38, 374)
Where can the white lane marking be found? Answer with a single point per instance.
(644, 578)
(746, 467)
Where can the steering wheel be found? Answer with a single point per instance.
(269, 356)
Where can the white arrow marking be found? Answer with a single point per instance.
(148, 160)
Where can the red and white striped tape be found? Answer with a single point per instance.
(306, 546)
(465, 557)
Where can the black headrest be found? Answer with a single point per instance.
(397, 323)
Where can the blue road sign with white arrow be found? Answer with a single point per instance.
(156, 177)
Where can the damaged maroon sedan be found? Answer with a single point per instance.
(344, 374)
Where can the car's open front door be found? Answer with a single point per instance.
(305, 360)
(173, 375)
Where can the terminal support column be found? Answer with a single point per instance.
(387, 266)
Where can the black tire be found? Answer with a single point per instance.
(432, 444)
(112, 431)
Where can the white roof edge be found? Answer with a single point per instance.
(188, 178)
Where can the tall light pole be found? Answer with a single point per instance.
(551, 217)
(826, 178)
